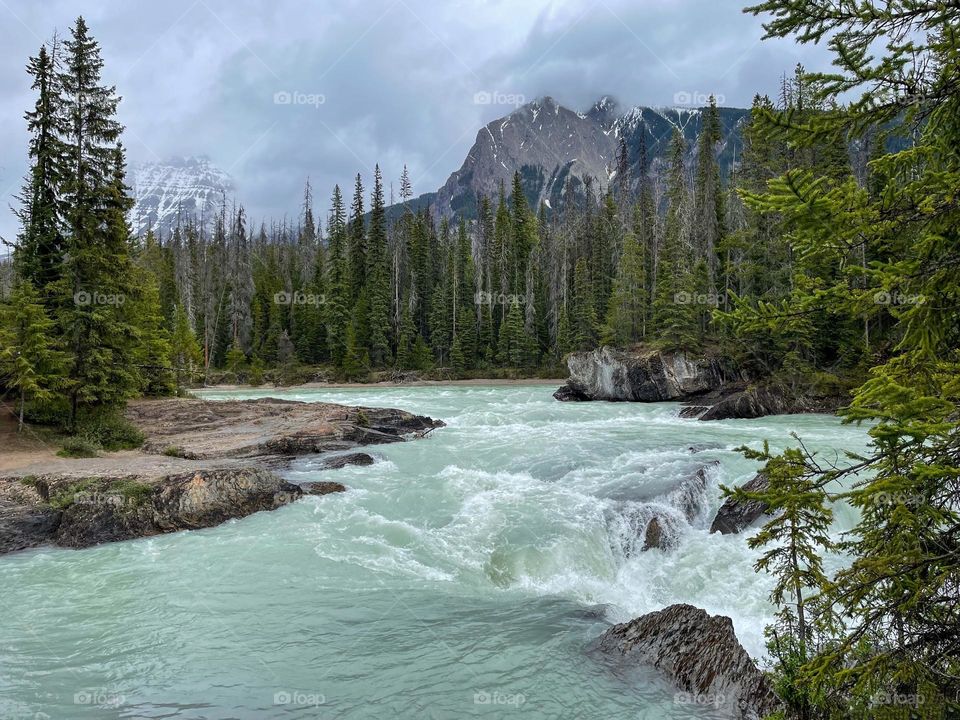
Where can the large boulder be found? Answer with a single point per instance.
(700, 655)
(734, 515)
(643, 376)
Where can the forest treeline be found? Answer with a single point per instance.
(821, 257)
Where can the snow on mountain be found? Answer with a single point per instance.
(559, 152)
(180, 188)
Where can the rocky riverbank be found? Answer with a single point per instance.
(203, 462)
(711, 387)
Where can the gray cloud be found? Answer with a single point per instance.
(398, 77)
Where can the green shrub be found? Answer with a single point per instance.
(108, 428)
(79, 446)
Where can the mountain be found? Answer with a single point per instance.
(178, 188)
(559, 151)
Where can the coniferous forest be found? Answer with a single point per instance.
(826, 261)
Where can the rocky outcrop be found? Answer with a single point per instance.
(82, 512)
(700, 655)
(711, 388)
(205, 429)
(25, 518)
(734, 515)
(763, 400)
(203, 462)
(648, 376)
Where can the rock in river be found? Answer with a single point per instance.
(700, 655)
(734, 515)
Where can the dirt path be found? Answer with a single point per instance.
(21, 449)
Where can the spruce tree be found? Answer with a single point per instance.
(95, 281)
(30, 361)
(40, 248)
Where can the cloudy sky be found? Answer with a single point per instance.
(388, 81)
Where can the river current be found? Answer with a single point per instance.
(463, 575)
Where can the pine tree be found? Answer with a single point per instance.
(337, 284)
(30, 362)
(674, 309)
(377, 284)
(626, 311)
(185, 355)
(40, 247)
(152, 349)
(898, 594)
(95, 281)
(584, 316)
(357, 241)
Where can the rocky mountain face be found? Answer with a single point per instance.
(559, 151)
(187, 187)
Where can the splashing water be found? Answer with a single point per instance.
(463, 575)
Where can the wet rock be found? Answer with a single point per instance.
(653, 536)
(642, 376)
(769, 399)
(700, 655)
(734, 515)
(692, 412)
(690, 495)
(700, 447)
(323, 487)
(26, 520)
(568, 393)
(341, 461)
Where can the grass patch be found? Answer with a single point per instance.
(66, 496)
(173, 451)
(133, 492)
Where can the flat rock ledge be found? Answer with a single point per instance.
(203, 462)
(700, 654)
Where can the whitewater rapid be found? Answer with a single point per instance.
(458, 573)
